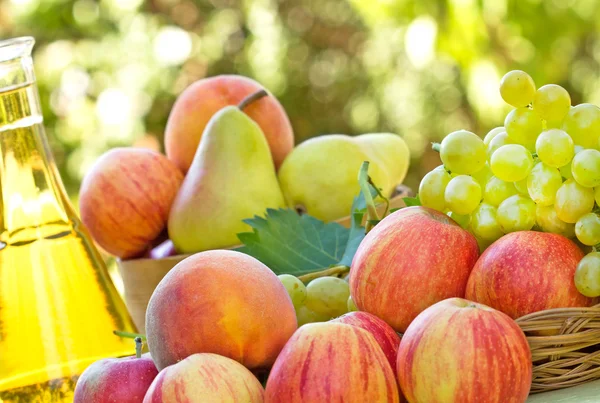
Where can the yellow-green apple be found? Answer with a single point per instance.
(527, 271)
(386, 337)
(412, 259)
(331, 362)
(460, 351)
(205, 378)
(196, 105)
(223, 302)
(319, 176)
(126, 197)
(123, 380)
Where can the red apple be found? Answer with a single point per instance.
(385, 336)
(123, 380)
(461, 351)
(527, 271)
(331, 362)
(412, 259)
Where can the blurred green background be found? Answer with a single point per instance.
(110, 70)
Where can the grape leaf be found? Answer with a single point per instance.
(411, 201)
(294, 244)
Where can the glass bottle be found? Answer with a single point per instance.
(58, 306)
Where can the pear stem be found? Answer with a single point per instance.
(138, 347)
(332, 271)
(251, 98)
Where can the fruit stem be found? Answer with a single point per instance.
(251, 98)
(436, 147)
(385, 199)
(336, 271)
(128, 335)
(138, 347)
(363, 181)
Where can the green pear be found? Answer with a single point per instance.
(320, 176)
(232, 178)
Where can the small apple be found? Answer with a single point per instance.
(123, 380)
(460, 351)
(412, 259)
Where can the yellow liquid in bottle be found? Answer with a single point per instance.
(58, 306)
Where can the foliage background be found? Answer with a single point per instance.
(110, 70)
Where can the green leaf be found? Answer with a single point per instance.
(357, 231)
(412, 201)
(294, 244)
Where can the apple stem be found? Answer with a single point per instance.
(436, 147)
(363, 181)
(138, 347)
(251, 98)
(336, 271)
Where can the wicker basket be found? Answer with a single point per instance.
(571, 354)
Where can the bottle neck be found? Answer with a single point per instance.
(32, 203)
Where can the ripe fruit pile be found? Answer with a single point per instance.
(541, 170)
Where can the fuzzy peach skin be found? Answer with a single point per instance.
(221, 302)
(123, 380)
(126, 197)
(331, 362)
(460, 351)
(201, 100)
(528, 271)
(384, 335)
(205, 378)
(412, 259)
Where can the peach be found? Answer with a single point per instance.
(331, 362)
(126, 197)
(200, 101)
(222, 302)
(203, 378)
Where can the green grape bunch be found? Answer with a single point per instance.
(539, 171)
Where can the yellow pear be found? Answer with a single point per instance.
(320, 176)
(232, 177)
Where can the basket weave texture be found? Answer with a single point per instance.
(565, 346)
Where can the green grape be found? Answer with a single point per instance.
(523, 127)
(463, 152)
(551, 102)
(484, 223)
(587, 229)
(543, 183)
(328, 296)
(498, 141)
(496, 191)
(295, 288)
(587, 275)
(586, 168)
(573, 201)
(351, 305)
(483, 244)
(462, 195)
(511, 163)
(583, 125)
(432, 188)
(483, 175)
(462, 220)
(493, 133)
(565, 170)
(521, 187)
(517, 213)
(305, 315)
(548, 221)
(597, 195)
(555, 148)
(517, 88)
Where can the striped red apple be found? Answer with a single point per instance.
(461, 351)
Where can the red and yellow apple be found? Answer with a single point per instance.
(527, 271)
(412, 259)
(331, 362)
(200, 101)
(123, 380)
(460, 351)
(223, 302)
(126, 197)
(384, 335)
(202, 378)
